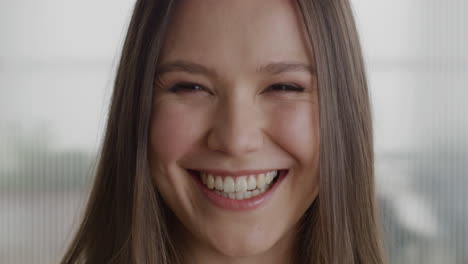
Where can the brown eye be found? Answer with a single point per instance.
(285, 87)
(187, 87)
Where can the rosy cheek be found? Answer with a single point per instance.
(174, 129)
(296, 127)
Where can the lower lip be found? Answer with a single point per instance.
(240, 205)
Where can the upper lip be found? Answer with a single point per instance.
(220, 172)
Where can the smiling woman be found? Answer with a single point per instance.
(239, 132)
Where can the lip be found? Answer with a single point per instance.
(224, 173)
(240, 205)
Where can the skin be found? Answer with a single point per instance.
(233, 120)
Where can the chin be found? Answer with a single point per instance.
(239, 245)
(241, 249)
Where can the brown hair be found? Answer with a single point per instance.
(126, 220)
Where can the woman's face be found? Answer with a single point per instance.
(235, 107)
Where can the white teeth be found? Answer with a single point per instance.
(242, 195)
(268, 178)
(210, 181)
(219, 183)
(229, 185)
(261, 181)
(274, 174)
(252, 183)
(241, 184)
(242, 187)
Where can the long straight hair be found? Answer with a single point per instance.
(126, 220)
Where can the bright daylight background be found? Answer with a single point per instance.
(57, 63)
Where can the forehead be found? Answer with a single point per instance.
(236, 34)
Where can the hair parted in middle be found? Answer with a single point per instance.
(126, 220)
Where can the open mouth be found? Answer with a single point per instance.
(239, 187)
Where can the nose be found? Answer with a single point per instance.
(236, 128)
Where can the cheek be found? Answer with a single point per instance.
(174, 130)
(296, 129)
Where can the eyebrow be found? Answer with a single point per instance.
(184, 66)
(273, 68)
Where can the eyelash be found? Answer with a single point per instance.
(187, 87)
(280, 87)
(286, 87)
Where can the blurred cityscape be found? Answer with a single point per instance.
(56, 79)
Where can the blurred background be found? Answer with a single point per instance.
(57, 64)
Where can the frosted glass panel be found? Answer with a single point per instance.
(418, 73)
(57, 63)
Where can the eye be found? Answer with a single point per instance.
(285, 87)
(187, 88)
